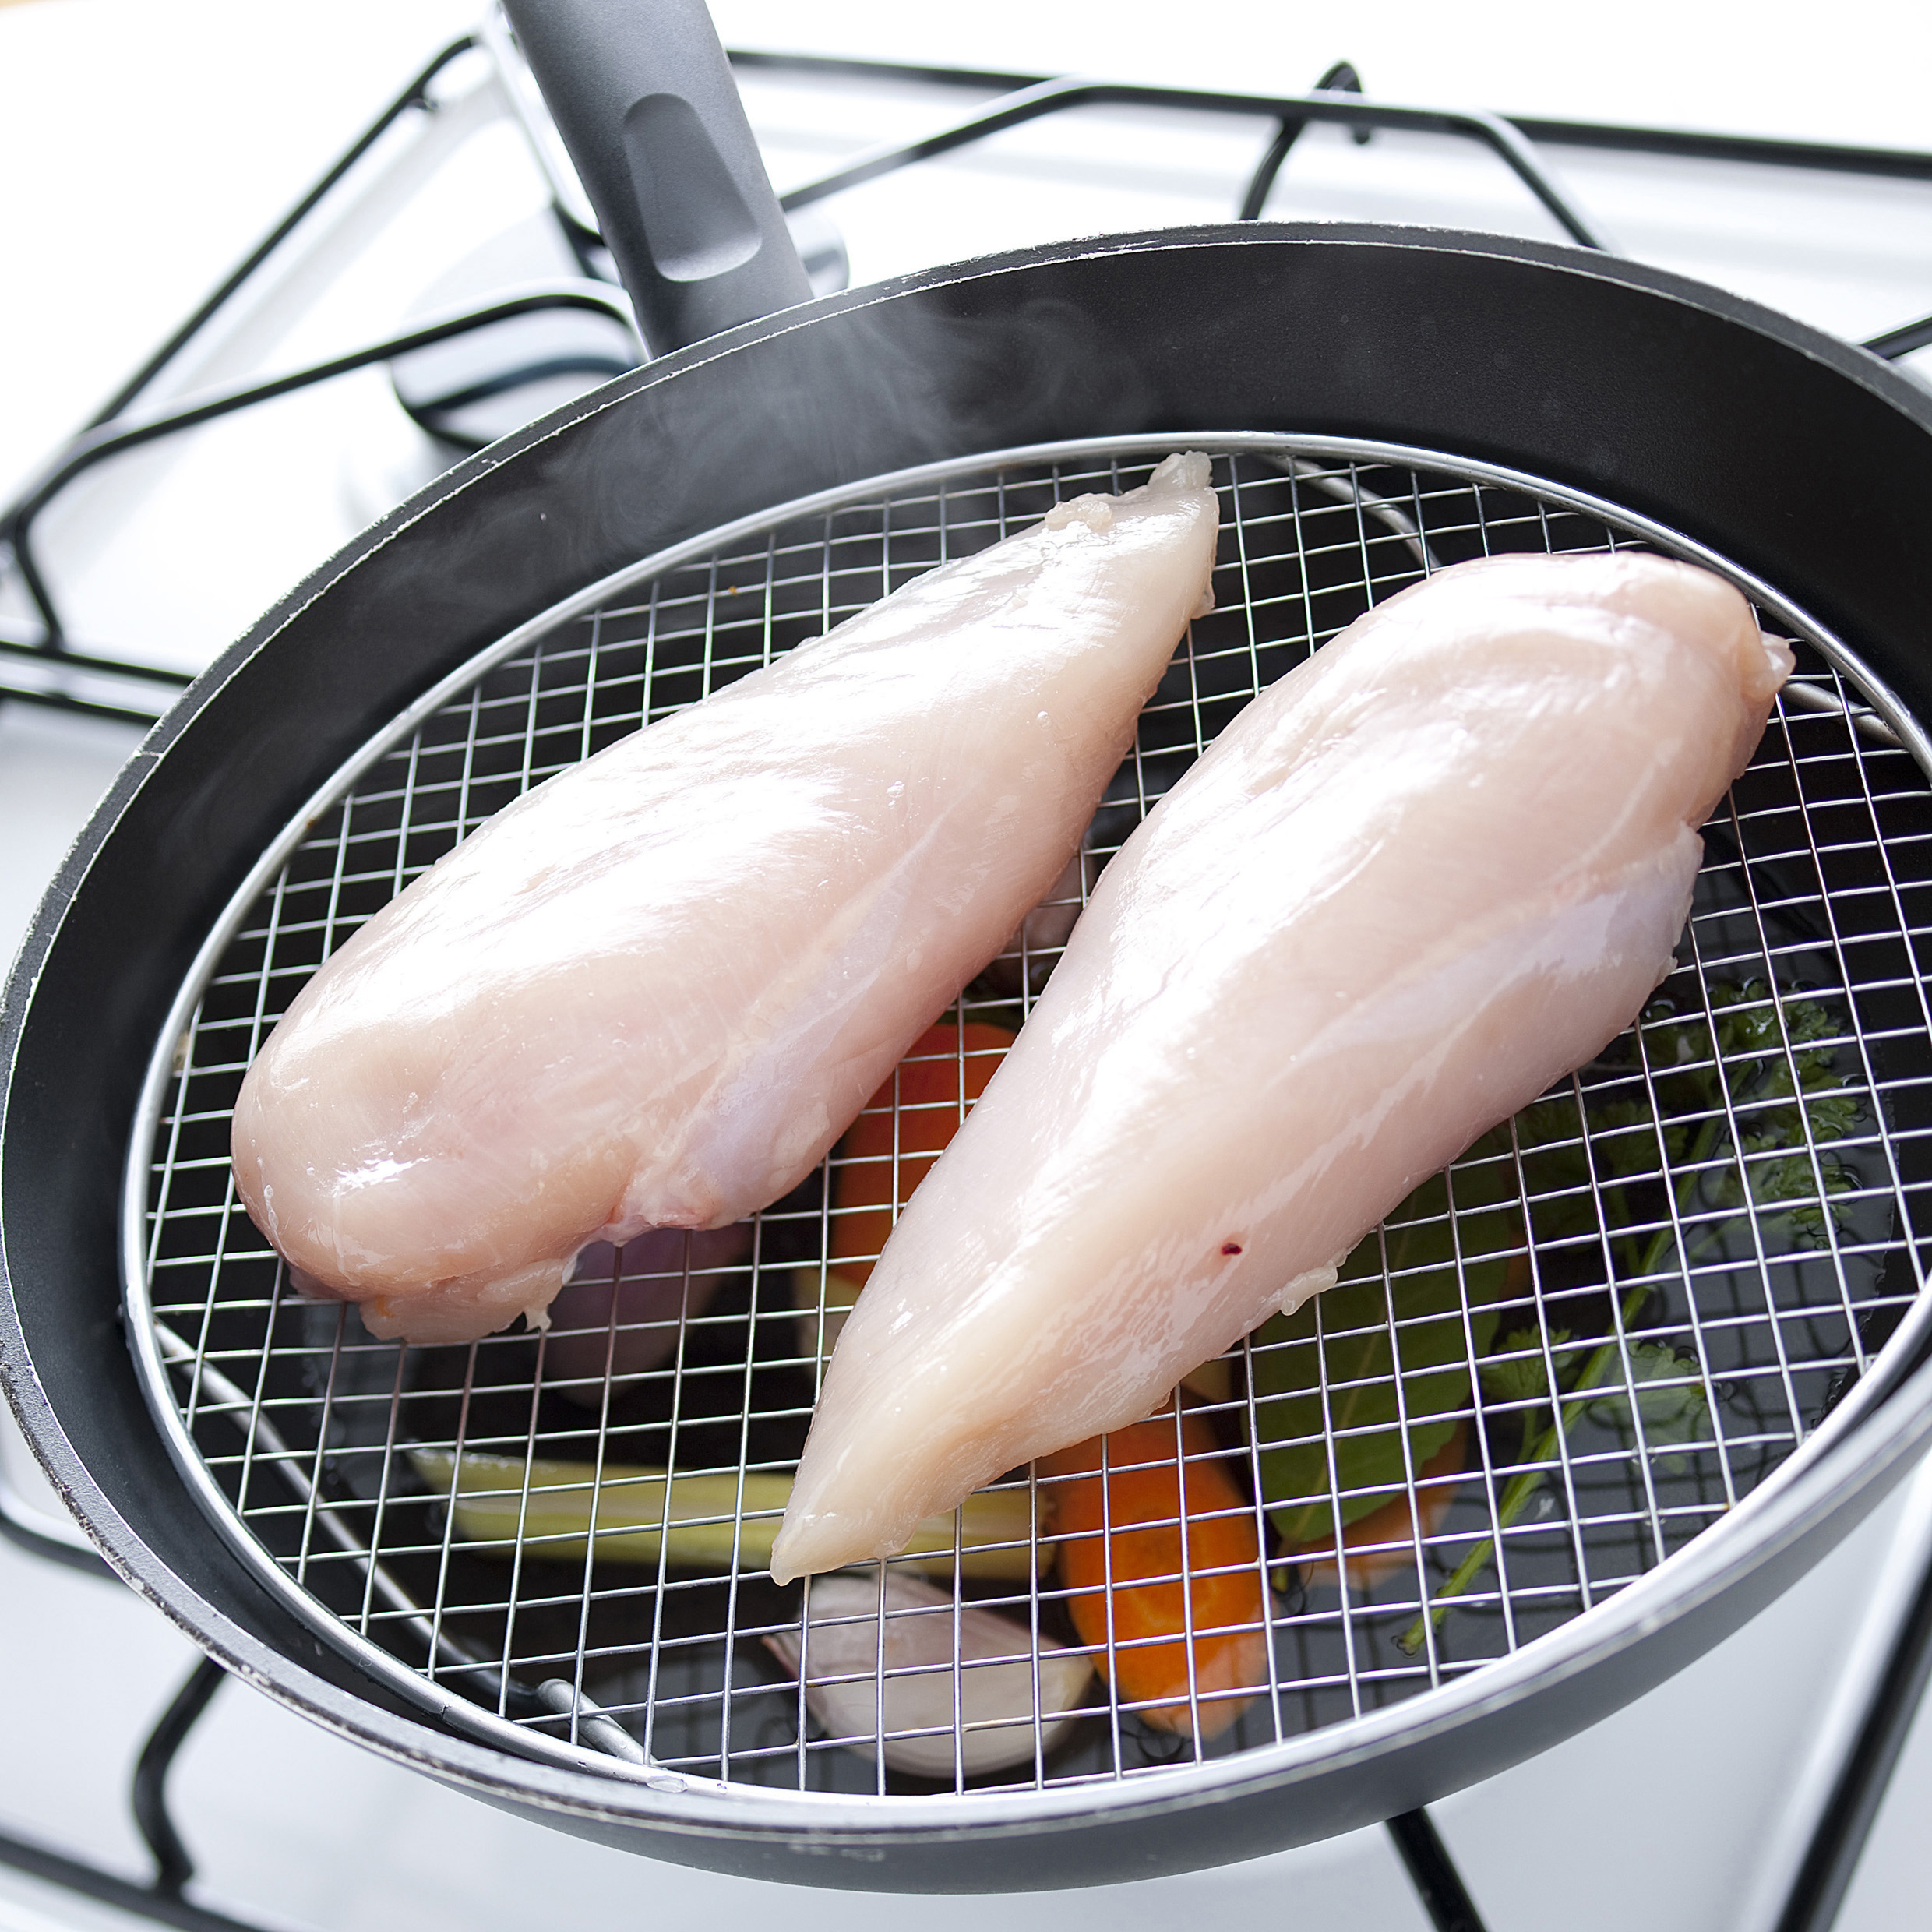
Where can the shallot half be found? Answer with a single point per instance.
(943, 1661)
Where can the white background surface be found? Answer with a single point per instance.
(154, 143)
(145, 148)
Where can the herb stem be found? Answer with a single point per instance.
(1527, 1482)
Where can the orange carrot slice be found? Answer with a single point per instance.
(945, 1071)
(1125, 1544)
(882, 1161)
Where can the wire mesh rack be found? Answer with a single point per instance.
(1609, 1322)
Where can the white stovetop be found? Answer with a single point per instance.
(146, 148)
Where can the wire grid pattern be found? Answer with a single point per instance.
(1549, 1370)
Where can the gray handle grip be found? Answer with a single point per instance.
(643, 98)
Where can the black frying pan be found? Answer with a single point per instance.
(1802, 461)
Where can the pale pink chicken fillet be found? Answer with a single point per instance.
(1428, 872)
(653, 992)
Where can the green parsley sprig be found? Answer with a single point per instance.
(1737, 1109)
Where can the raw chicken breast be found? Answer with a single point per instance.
(1428, 872)
(653, 992)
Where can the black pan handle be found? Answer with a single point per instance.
(643, 98)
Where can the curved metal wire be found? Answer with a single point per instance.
(463, 1521)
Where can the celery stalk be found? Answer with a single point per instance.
(708, 1522)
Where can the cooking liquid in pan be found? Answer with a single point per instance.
(1700, 1237)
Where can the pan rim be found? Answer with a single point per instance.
(1595, 1634)
(1848, 361)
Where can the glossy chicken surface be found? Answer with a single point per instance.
(1431, 870)
(653, 992)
